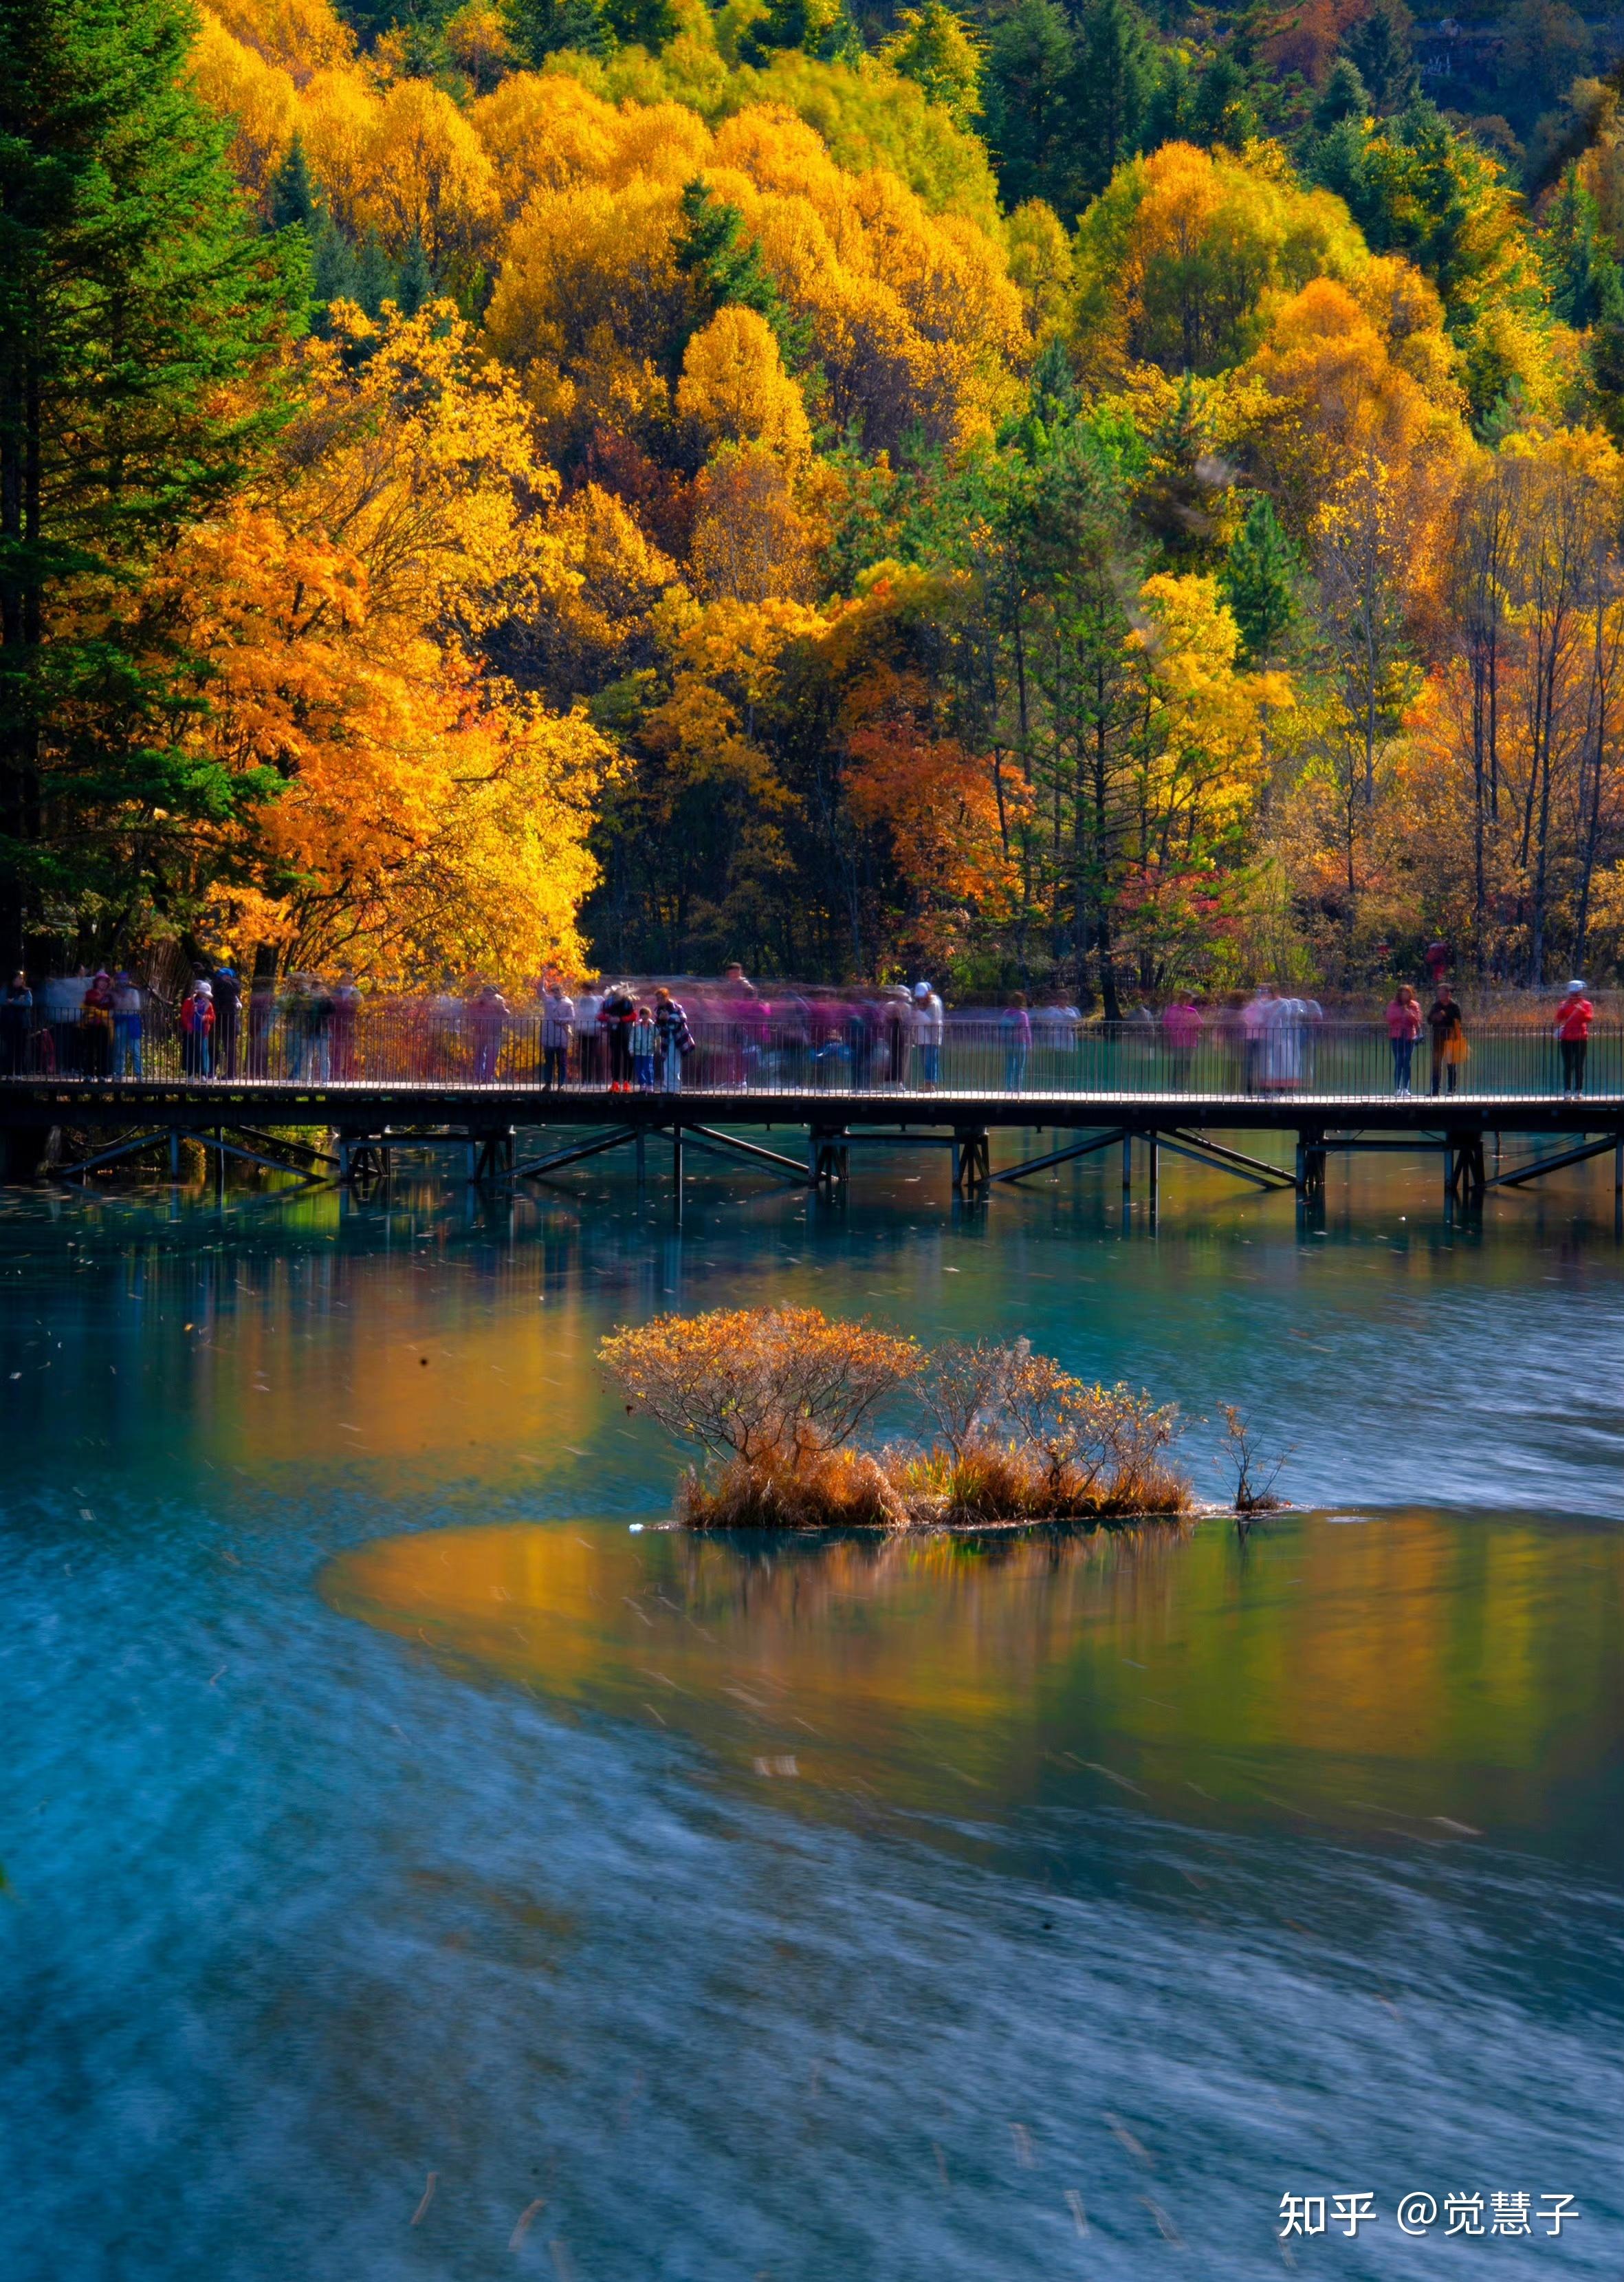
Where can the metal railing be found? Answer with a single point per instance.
(432, 1045)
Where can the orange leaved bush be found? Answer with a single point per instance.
(774, 1395)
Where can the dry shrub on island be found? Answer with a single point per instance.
(773, 1397)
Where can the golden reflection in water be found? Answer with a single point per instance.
(1412, 1666)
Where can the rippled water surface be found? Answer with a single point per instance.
(413, 1868)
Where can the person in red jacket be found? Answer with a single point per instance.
(1574, 1017)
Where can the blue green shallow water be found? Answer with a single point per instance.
(375, 1804)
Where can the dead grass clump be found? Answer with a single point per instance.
(847, 1489)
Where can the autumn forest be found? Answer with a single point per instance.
(1059, 495)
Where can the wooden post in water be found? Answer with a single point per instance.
(1153, 1157)
(1127, 1167)
(175, 1153)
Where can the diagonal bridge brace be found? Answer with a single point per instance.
(1221, 1159)
(1544, 1165)
(539, 1168)
(721, 1144)
(1061, 1156)
(698, 1137)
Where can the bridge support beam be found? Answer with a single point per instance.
(828, 1155)
(972, 1167)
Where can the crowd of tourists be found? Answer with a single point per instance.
(622, 1036)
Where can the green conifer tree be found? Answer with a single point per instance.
(136, 304)
(1259, 581)
(373, 276)
(1022, 91)
(541, 29)
(1344, 96)
(415, 285)
(726, 266)
(1379, 49)
(1107, 89)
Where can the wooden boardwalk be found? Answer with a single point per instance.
(481, 1124)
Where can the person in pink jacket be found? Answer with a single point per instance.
(1403, 1028)
(1182, 1025)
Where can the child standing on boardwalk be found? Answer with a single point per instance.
(645, 1040)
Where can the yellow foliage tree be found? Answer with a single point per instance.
(735, 389)
(1176, 256)
(260, 99)
(428, 812)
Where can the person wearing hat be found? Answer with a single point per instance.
(927, 1028)
(1574, 1017)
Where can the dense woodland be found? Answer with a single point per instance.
(1055, 496)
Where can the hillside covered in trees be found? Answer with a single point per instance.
(1050, 495)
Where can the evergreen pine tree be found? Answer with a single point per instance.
(373, 278)
(821, 28)
(726, 266)
(136, 303)
(332, 270)
(1053, 389)
(1222, 111)
(1344, 96)
(1259, 580)
(1107, 89)
(541, 29)
(1379, 49)
(293, 193)
(415, 285)
(1028, 63)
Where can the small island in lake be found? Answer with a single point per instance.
(775, 1397)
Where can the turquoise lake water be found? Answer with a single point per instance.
(394, 1832)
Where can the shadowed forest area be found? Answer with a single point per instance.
(1094, 497)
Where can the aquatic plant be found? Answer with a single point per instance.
(774, 1395)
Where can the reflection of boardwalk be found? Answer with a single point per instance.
(374, 1122)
